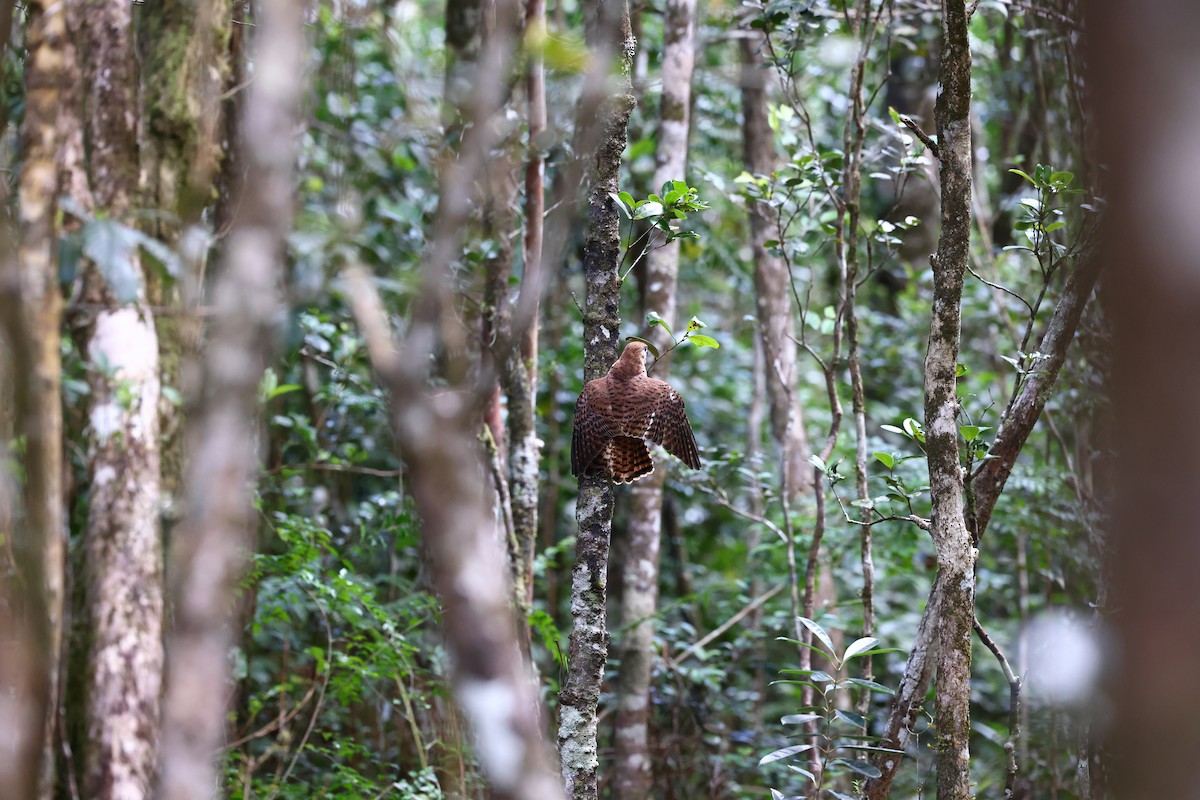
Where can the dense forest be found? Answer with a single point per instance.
(494, 399)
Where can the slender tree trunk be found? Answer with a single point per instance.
(32, 313)
(773, 303)
(211, 542)
(436, 431)
(955, 553)
(772, 281)
(524, 447)
(611, 42)
(632, 775)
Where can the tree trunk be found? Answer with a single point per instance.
(185, 66)
(211, 541)
(772, 281)
(524, 453)
(611, 42)
(32, 313)
(632, 775)
(124, 588)
(1150, 249)
(955, 553)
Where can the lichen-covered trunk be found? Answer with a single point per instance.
(210, 546)
(955, 552)
(524, 447)
(123, 556)
(632, 774)
(610, 39)
(32, 314)
(123, 546)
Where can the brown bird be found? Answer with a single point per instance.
(616, 415)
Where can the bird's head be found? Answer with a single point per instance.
(632, 361)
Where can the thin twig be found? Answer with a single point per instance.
(746, 611)
(912, 125)
(1014, 710)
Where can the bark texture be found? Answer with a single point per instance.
(632, 773)
(210, 547)
(32, 314)
(124, 582)
(1151, 249)
(955, 552)
(611, 41)
(524, 447)
(184, 46)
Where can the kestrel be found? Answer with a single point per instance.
(616, 415)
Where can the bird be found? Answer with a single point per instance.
(617, 414)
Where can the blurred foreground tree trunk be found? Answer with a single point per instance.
(212, 540)
(438, 421)
(31, 308)
(632, 773)
(1149, 116)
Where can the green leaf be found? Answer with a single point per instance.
(849, 717)
(818, 462)
(816, 629)
(803, 772)
(784, 752)
(111, 246)
(872, 685)
(285, 389)
(649, 345)
(887, 459)
(694, 324)
(969, 432)
(649, 208)
(861, 767)
(704, 341)
(624, 209)
(652, 319)
(1024, 175)
(1061, 179)
(798, 719)
(859, 646)
(627, 199)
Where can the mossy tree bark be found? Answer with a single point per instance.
(185, 68)
(611, 41)
(948, 526)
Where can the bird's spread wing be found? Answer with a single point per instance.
(669, 426)
(592, 431)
